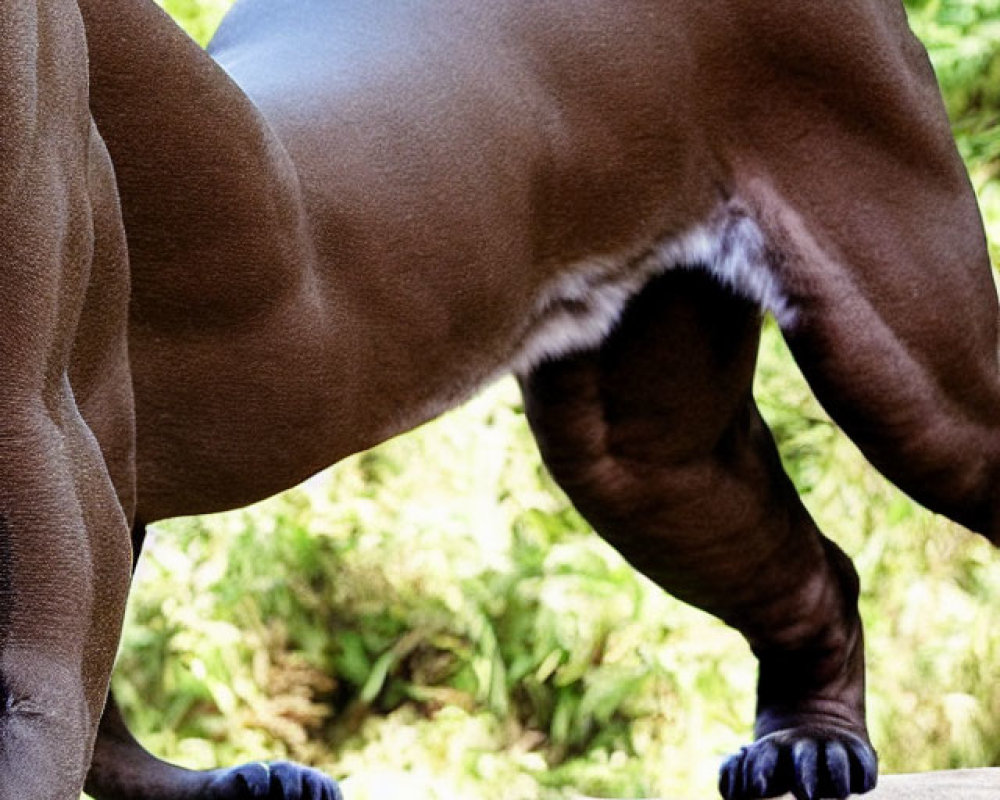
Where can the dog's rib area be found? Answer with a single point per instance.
(579, 309)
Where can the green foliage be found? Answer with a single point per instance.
(438, 580)
(433, 620)
(438, 597)
(963, 39)
(199, 18)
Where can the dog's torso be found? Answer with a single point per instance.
(426, 195)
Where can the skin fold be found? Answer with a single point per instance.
(67, 484)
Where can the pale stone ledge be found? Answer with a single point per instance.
(967, 784)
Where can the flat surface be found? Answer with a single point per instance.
(972, 784)
(967, 784)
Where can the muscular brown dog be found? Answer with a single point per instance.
(374, 207)
(66, 484)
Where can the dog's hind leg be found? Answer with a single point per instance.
(656, 438)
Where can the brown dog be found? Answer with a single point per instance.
(64, 546)
(373, 208)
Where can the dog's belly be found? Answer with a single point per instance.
(256, 408)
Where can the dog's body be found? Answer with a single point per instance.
(429, 194)
(429, 209)
(385, 203)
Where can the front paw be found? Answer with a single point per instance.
(279, 780)
(811, 763)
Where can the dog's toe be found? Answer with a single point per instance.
(811, 764)
(280, 780)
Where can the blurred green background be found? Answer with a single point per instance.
(432, 619)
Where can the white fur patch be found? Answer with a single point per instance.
(579, 309)
(732, 248)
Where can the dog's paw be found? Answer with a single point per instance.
(279, 780)
(810, 764)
